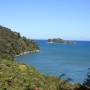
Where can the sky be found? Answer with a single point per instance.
(43, 19)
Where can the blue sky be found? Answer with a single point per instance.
(42, 19)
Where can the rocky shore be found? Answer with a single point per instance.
(34, 51)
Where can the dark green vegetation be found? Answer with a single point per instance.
(18, 76)
(12, 44)
(87, 81)
(60, 41)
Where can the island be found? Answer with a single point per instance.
(60, 41)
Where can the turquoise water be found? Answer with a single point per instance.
(54, 59)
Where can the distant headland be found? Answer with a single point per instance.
(60, 41)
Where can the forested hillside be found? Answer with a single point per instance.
(11, 43)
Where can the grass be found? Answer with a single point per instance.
(19, 76)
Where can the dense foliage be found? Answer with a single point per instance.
(87, 81)
(11, 43)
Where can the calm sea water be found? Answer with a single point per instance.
(55, 59)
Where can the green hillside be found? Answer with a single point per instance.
(18, 76)
(12, 44)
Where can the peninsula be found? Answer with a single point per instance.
(13, 44)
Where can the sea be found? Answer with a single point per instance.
(70, 61)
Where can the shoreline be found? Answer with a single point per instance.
(35, 51)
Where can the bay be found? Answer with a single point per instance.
(73, 60)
